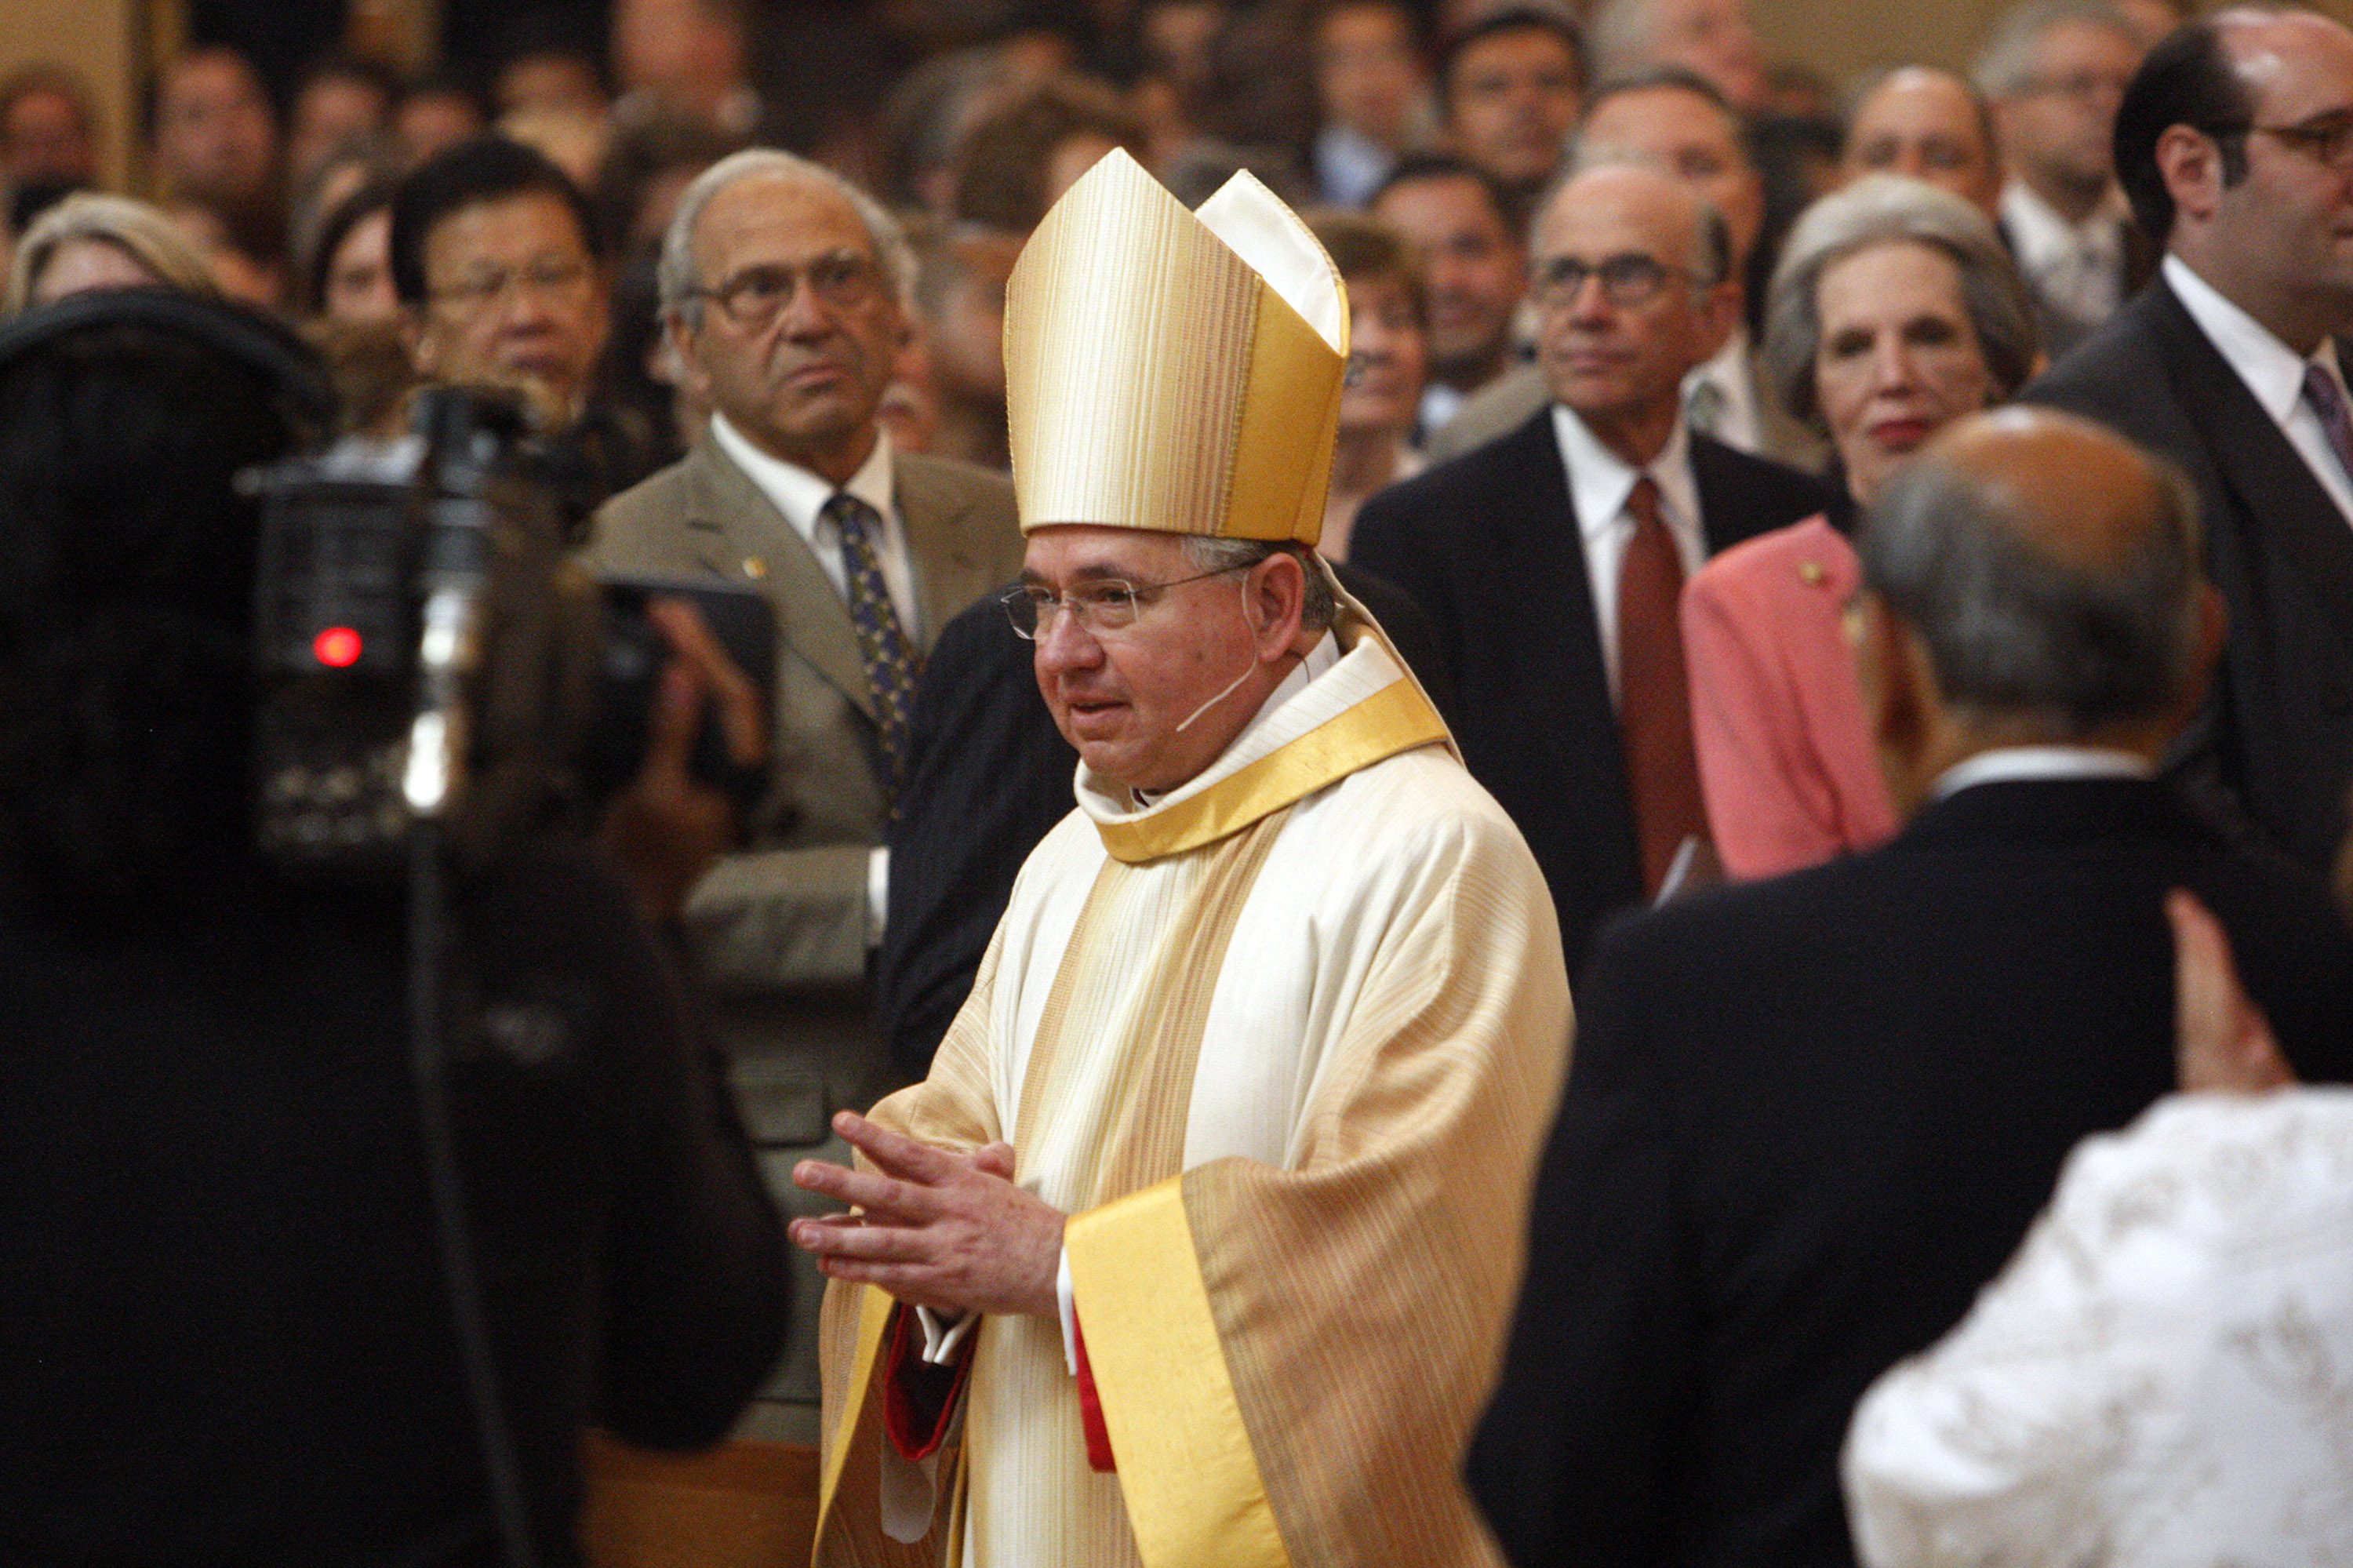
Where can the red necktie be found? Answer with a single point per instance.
(1654, 704)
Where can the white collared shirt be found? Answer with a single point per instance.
(801, 495)
(1730, 373)
(2009, 764)
(2077, 267)
(1599, 482)
(2272, 371)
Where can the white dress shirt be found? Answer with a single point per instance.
(2007, 764)
(1599, 483)
(800, 496)
(1732, 376)
(2272, 372)
(2077, 267)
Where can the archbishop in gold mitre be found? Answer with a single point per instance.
(1197, 1247)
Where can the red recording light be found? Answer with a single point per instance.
(338, 647)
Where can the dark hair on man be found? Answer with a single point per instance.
(2013, 632)
(2187, 80)
(1002, 166)
(1318, 606)
(486, 169)
(545, 33)
(1510, 19)
(1673, 79)
(642, 151)
(1415, 167)
(151, 92)
(126, 612)
(342, 66)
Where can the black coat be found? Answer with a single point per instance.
(1808, 1119)
(226, 1328)
(1488, 546)
(2278, 735)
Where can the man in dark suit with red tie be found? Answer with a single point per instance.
(1552, 560)
(2235, 142)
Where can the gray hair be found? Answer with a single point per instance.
(1865, 87)
(2005, 66)
(1715, 235)
(139, 231)
(1209, 553)
(1882, 209)
(2013, 633)
(1623, 36)
(674, 275)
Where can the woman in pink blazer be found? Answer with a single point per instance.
(1895, 310)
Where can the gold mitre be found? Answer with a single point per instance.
(1174, 371)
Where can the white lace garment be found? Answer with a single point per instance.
(2161, 1378)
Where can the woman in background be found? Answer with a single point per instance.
(1388, 361)
(1895, 311)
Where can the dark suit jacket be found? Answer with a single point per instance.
(987, 775)
(1808, 1118)
(1487, 545)
(2279, 734)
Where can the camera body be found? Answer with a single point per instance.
(424, 648)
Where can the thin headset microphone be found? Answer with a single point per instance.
(1248, 670)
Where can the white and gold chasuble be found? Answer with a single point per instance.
(1284, 1044)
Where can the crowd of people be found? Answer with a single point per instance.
(1808, 569)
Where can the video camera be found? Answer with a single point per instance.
(427, 649)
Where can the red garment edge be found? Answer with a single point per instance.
(1090, 1416)
(904, 1420)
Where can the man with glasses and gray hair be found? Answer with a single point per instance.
(1552, 559)
(2053, 73)
(782, 289)
(2235, 142)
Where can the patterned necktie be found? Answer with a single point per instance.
(892, 661)
(2320, 390)
(1654, 704)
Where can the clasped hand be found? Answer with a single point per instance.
(950, 1232)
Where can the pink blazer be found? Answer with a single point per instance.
(1786, 759)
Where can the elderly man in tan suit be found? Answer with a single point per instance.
(781, 286)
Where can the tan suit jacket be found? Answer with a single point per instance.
(779, 931)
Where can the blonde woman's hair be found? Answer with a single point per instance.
(139, 231)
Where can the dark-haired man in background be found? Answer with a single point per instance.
(2235, 144)
(1808, 1117)
(494, 261)
(1509, 92)
(1474, 261)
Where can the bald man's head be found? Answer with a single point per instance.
(2051, 570)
